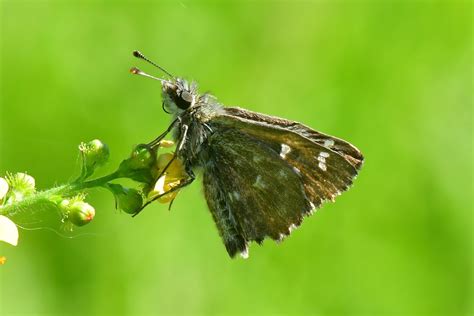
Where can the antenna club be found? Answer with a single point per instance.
(137, 54)
(134, 70)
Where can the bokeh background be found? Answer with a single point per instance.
(394, 78)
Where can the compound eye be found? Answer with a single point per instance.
(186, 96)
(182, 99)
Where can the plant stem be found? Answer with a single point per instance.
(47, 196)
(99, 182)
(33, 200)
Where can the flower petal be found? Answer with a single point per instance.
(8, 231)
(3, 188)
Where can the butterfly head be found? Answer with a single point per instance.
(178, 94)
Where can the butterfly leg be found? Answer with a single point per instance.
(189, 172)
(157, 140)
(182, 184)
(179, 146)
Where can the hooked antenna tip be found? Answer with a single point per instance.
(138, 54)
(135, 70)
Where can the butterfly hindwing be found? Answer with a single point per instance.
(252, 193)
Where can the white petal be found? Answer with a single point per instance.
(8, 231)
(160, 185)
(3, 188)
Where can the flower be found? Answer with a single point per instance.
(3, 189)
(8, 231)
(166, 143)
(171, 178)
(20, 186)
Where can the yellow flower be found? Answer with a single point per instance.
(172, 177)
(166, 143)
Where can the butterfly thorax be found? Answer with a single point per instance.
(193, 129)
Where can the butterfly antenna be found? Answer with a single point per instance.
(137, 54)
(137, 71)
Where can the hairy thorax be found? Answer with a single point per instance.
(194, 123)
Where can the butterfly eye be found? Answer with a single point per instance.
(183, 99)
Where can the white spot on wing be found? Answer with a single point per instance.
(328, 143)
(292, 228)
(280, 238)
(245, 253)
(285, 149)
(298, 171)
(322, 159)
(322, 166)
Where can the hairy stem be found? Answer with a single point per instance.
(47, 196)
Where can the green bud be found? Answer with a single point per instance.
(78, 212)
(127, 199)
(131, 202)
(140, 164)
(142, 157)
(94, 154)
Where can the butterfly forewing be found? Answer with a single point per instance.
(325, 162)
(350, 153)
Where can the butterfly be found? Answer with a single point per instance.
(261, 174)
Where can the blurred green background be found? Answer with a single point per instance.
(394, 78)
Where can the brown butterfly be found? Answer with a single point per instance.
(261, 174)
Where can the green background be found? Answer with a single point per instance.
(394, 78)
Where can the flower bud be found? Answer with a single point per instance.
(127, 199)
(142, 157)
(94, 153)
(130, 202)
(78, 212)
